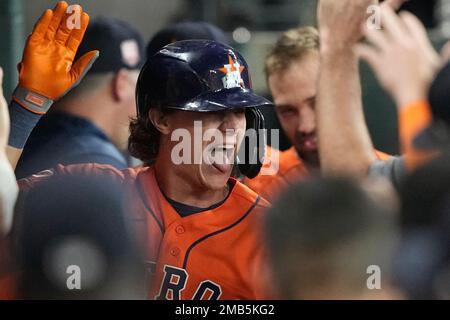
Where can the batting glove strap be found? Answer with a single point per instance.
(31, 101)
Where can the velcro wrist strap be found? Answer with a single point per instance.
(32, 101)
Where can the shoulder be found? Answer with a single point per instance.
(91, 169)
(281, 163)
(247, 195)
(289, 160)
(280, 168)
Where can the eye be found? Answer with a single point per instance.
(287, 112)
(239, 111)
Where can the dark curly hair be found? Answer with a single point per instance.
(143, 142)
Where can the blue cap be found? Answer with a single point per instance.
(120, 45)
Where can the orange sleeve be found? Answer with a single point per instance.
(412, 119)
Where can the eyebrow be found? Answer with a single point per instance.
(284, 106)
(287, 105)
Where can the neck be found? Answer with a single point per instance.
(181, 187)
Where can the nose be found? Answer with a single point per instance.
(307, 121)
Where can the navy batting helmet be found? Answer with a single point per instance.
(203, 76)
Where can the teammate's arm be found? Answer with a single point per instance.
(47, 71)
(343, 120)
(345, 146)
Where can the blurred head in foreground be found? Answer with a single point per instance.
(74, 242)
(423, 262)
(329, 240)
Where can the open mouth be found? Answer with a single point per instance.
(221, 157)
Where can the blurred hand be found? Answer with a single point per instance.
(8, 185)
(48, 66)
(340, 21)
(402, 56)
(4, 118)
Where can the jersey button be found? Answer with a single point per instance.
(175, 251)
(179, 230)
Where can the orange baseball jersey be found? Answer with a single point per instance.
(207, 255)
(291, 170)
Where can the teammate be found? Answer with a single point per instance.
(404, 72)
(292, 71)
(200, 228)
(90, 123)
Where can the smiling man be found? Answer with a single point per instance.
(207, 223)
(292, 72)
(291, 69)
(199, 228)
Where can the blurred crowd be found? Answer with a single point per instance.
(345, 221)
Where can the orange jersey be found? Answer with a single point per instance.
(207, 255)
(289, 170)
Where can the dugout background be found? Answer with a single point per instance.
(252, 25)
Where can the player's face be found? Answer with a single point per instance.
(294, 92)
(221, 137)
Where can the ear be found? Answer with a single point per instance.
(159, 120)
(119, 85)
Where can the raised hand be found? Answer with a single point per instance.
(401, 55)
(340, 21)
(48, 69)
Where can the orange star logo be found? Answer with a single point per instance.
(231, 66)
(232, 71)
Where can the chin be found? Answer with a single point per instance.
(213, 179)
(310, 158)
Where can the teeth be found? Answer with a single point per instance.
(222, 155)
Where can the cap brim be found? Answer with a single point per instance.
(435, 136)
(226, 100)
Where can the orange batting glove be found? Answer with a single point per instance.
(48, 71)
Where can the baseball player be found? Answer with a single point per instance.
(292, 71)
(199, 227)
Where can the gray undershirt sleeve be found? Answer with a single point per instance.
(393, 169)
